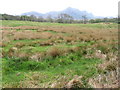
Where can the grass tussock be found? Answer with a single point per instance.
(54, 52)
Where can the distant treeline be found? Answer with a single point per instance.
(62, 18)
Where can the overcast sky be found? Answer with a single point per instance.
(97, 7)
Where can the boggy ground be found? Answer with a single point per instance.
(52, 55)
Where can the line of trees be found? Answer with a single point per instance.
(62, 18)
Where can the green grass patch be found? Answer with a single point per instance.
(76, 63)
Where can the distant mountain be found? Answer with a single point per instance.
(32, 13)
(75, 13)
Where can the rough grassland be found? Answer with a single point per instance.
(53, 55)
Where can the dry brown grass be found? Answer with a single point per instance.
(69, 39)
(12, 51)
(83, 34)
(76, 82)
(54, 52)
(37, 56)
(19, 44)
(109, 73)
(2, 44)
(108, 80)
(20, 28)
